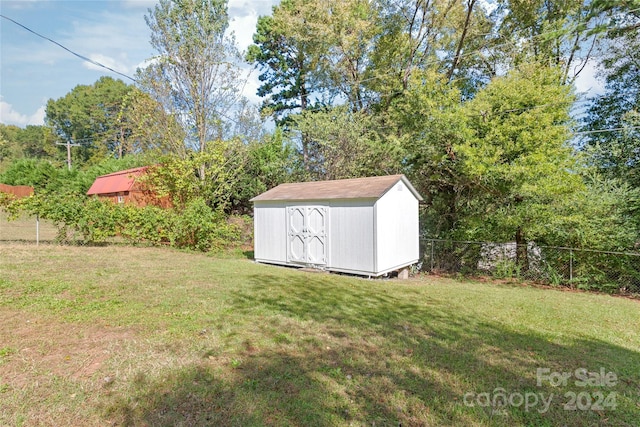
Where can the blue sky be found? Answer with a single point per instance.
(114, 33)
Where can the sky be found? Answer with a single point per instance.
(111, 32)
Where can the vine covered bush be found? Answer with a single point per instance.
(90, 220)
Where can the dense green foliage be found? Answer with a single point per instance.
(617, 153)
(89, 116)
(269, 162)
(517, 157)
(36, 142)
(179, 178)
(45, 176)
(90, 220)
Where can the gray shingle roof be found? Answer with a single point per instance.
(356, 188)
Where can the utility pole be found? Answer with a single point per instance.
(69, 145)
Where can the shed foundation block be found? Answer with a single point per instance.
(403, 274)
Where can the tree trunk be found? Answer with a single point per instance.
(456, 58)
(304, 137)
(121, 148)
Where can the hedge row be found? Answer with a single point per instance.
(89, 220)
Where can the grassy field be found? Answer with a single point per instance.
(97, 336)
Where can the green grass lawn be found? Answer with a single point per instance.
(150, 336)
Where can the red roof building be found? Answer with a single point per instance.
(125, 187)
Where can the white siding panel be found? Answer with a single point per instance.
(397, 229)
(351, 239)
(270, 233)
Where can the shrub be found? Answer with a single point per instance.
(92, 220)
(199, 227)
(148, 224)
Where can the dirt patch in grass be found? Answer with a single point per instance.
(37, 348)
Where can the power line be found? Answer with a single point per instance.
(69, 145)
(68, 50)
(618, 129)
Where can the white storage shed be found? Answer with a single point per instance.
(365, 226)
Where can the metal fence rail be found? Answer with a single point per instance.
(577, 268)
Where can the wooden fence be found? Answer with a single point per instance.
(17, 190)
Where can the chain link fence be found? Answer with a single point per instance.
(31, 229)
(577, 268)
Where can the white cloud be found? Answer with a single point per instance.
(121, 40)
(143, 4)
(38, 117)
(244, 17)
(22, 4)
(149, 61)
(489, 5)
(250, 87)
(243, 27)
(588, 83)
(9, 116)
(107, 61)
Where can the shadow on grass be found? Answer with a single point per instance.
(349, 352)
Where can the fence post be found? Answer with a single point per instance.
(570, 265)
(37, 230)
(431, 270)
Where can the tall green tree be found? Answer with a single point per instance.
(342, 143)
(560, 33)
(196, 73)
(312, 51)
(350, 33)
(38, 142)
(90, 114)
(496, 167)
(153, 130)
(9, 147)
(449, 36)
(423, 129)
(611, 124)
(313, 54)
(518, 156)
(288, 50)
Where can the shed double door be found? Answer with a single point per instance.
(307, 235)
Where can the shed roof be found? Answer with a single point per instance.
(116, 182)
(356, 188)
